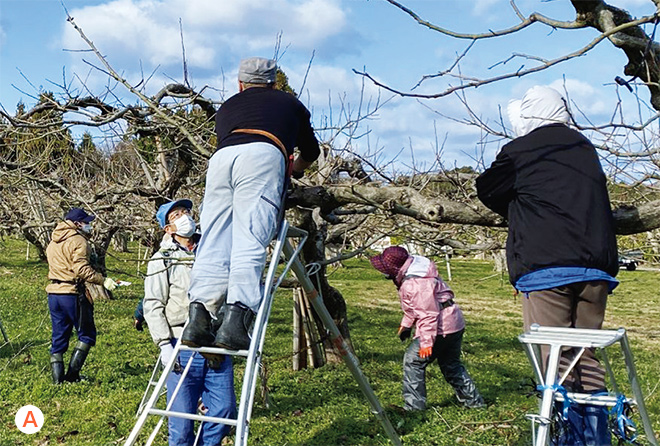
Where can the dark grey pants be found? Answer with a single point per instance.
(578, 305)
(447, 351)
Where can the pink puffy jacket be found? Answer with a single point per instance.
(422, 293)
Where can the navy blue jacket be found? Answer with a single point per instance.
(271, 110)
(551, 188)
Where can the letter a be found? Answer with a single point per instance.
(30, 419)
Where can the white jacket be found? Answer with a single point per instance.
(166, 291)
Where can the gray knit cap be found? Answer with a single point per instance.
(257, 70)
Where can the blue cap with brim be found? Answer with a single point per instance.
(78, 214)
(165, 209)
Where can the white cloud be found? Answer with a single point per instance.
(212, 30)
(482, 7)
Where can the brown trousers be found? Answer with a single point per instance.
(577, 305)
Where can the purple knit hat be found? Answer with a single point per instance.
(391, 260)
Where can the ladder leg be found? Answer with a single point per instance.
(152, 383)
(132, 438)
(548, 396)
(253, 360)
(637, 390)
(337, 339)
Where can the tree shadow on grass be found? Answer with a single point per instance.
(10, 349)
(349, 431)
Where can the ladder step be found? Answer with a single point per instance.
(594, 400)
(215, 350)
(571, 337)
(191, 416)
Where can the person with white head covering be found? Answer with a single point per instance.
(539, 106)
(549, 185)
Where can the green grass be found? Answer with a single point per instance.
(311, 407)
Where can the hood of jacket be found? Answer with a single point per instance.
(539, 106)
(169, 244)
(64, 230)
(418, 266)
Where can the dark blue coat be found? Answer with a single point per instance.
(550, 186)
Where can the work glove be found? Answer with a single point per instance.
(404, 333)
(425, 352)
(109, 284)
(166, 352)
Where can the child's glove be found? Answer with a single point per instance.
(425, 352)
(404, 333)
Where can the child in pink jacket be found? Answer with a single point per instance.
(428, 304)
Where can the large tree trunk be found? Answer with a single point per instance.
(314, 251)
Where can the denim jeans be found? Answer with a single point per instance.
(216, 389)
(239, 216)
(66, 312)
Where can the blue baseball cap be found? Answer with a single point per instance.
(78, 214)
(165, 209)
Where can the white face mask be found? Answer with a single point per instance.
(185, 226)
(86, 228)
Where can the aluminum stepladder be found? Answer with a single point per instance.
(558, 338)
(254, 354)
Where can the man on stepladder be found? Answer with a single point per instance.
(561, 249)
(165, 311)
(257, 130)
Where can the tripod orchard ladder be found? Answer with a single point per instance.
(558, 338)
(254, 354)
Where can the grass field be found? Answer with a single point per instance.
(311, 407)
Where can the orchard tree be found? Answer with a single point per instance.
(157, 148)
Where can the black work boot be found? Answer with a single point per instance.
(57, 367)
(233, 333)
(197, 332)
(77, 360)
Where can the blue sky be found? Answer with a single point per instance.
(141, 38)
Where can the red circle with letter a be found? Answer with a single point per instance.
(29, 419)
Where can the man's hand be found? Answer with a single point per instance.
(109, 284)
(299, 166)
(166, 352)
(425, 352)
(404, 333)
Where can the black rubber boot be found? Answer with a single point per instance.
(57, 367)
(77, 360)
(197, 332)
(233, 332)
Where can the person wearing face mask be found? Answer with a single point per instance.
(165, 308)
(69, 269)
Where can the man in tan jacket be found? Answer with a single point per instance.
(68, 269)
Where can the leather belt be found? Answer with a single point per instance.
(288, 159)
(268, 135)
